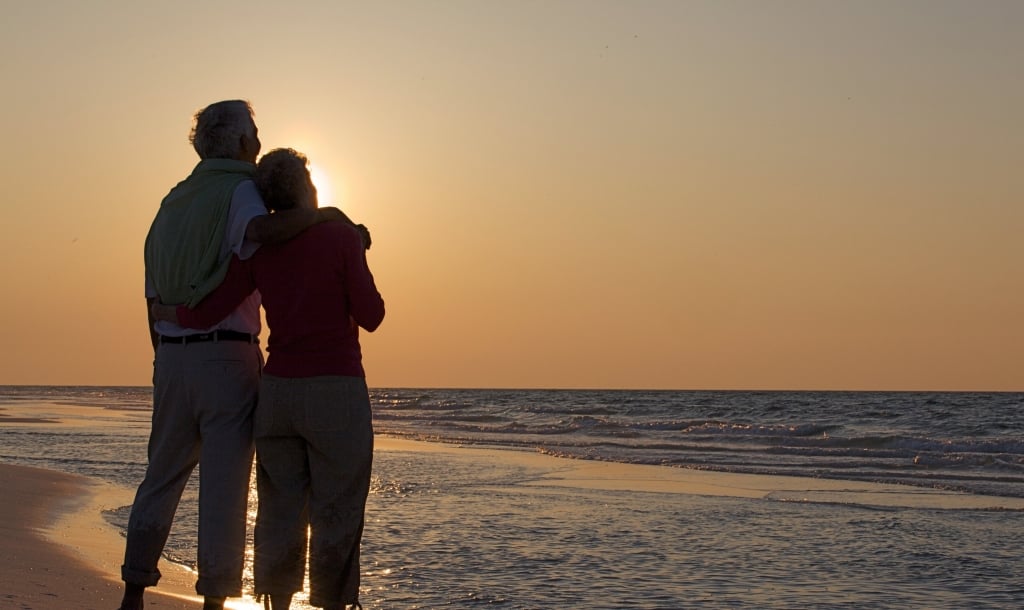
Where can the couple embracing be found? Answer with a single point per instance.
(233, 234)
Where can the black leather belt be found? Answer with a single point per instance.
(217, 335)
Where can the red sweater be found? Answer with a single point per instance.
(317, 291)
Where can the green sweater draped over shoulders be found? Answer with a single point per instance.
(183, 247)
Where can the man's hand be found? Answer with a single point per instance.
(364, 233)
(329, 214)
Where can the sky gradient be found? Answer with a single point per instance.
(681, 194)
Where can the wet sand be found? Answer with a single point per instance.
(58, 551)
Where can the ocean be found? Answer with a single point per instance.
(456, 533)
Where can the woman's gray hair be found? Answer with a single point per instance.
(282, 177)
(219, 129)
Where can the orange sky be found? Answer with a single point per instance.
(785, 195)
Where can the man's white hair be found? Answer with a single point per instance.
(219, 129)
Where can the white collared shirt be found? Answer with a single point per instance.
(246, 204)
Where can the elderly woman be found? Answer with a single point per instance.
(312, 425)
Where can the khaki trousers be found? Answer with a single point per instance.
(204, 395)
(314, 453)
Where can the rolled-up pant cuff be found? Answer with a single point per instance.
(276, 588)
(212, 587)
(143, 578)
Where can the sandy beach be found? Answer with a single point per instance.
(58, 551)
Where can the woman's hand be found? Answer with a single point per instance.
(167, 313)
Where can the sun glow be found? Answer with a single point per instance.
(324, 194)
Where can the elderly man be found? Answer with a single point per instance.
(205, 383)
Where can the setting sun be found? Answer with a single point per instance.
(324, 193)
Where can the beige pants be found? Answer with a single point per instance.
(314, 453)
(204, 395)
